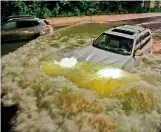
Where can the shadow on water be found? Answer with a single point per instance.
(8, 113)
(11, 46)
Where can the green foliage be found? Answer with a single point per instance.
(55, 11)
(71, 8)
(139, 9)
(155, 9)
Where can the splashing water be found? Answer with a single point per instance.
(113, 73)
(102, 79)
(67, 62)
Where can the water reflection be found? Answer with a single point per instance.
(11, 46)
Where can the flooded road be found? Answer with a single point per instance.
(94, 29)
(53, 103)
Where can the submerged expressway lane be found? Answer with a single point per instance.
(8, 112)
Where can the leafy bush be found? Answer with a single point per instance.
(71, 8)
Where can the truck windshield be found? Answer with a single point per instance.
(115, 44)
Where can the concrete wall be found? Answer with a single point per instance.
(151, 4)
(65, 21)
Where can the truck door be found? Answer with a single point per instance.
(146, 43)
(137, 47)
(27, 29)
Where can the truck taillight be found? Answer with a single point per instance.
(47, 28)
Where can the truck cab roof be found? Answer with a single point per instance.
(127, 31)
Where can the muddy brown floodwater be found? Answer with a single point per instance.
(92, 29)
